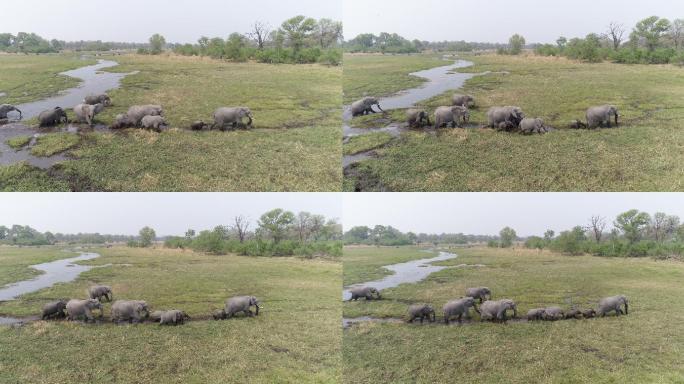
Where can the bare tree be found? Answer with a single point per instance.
(597, 225)
(240, 226)
(616, 32)
(260, 33)
(303, 225)
(677, 32)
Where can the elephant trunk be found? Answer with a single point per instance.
(249, 116)
(381, 110)
(257, 310)
(20, 114)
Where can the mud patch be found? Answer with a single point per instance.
(359, 178)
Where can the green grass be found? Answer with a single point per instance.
(26, 78)
(367, 142)
(644, 154)
(296, 338)
(19, 141)
(643, 347)
(22, 177)
(51, 144)
(15, 261)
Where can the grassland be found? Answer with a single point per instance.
(294, 146)
(51, 144)
(19, 141)
(643, 347)
(367, 142)
(22, 177)
(644, 154)
(295, 338)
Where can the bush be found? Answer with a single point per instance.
(535, 242)
(331, 57)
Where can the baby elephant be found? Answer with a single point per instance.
(573, 313)
(463, 100)
(103, 99)
(85, 113)
(553, 313)
(122, 121)
(589, 313)
(153, 122)
(459, 307)
(129, 310)
(613, 303)
(367, 292)
(173, 317)
(137, 112)
(100, 291)
(415, 117)
(156, 316)
(422, 311)
(198, 125)
(54, 310)
(482, 293)
(52, 117)
(7, 108)
(219, 314)
(81, 309)
(238, 304)
(365, 106)
(535, 314)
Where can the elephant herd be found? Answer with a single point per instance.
(503, 118)
(495, 310)
(136, 310)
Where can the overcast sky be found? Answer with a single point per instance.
(486, 213)
(167, 213)
(496, 20)
(137, 20)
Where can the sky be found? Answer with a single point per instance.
(167, 213)
(496, 20)
(137, 20)
(486, 213)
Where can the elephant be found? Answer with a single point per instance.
(573, 313)
(86, 112)
(122, 121)
(100, 291)
(156, 315)
(153, 122)
(130, 310)
(598, 116)
(198, 125)
(415, 117)
(81, 308)
(482, 293)
(137, 112)
(6, 108)
(613, 303)
(103, 99)
(459, 307)
(52, 117)
(365, 106)
(553, 313)
(367, 292)
(421, 311)
(241, 304)
(589, 313)
(454, 115)
(507, 114)
(219, 314)
(232, 116)
(54, 309)
(463, 100)
(532, 125)
(173, 317)
(577, 124)
(535, 314)
(496, 309)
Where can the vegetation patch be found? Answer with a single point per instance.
(19, 141)
(363, 143)
(54, 143)
(22, 177)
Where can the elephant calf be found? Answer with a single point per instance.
(588, 313)
(136, 112)
(103, 99)
(365, 106)
(100, 291)
(77, 309)
(613, 303)
(463, 100)
(52, 117)
(7, 108)
(153, 122)
(422, 311)
(481, 293)
(198, 125)
(129, 310)
(54, 310)
(173, 317)
(553, 313)
(506, 118)
(122, 121)
(219, 314)
(532, 125)
(454, 115)
(367, 292)
(85, 113)
(535, 314)
(231, 116)
(415, 117)
(573, 313)
(243, 304)
(459, 307)
(156, 316)
(496, 309)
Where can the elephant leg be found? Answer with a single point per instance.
(421, 319)
(446, 319)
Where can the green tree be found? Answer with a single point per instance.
(516, 44)
(507, 236)
(157, 44)
(297, 31)
(632, 224)
(549, 235)
(190, 233)
(147, 235)
(534, 242)
(4, 232)
(561, 42)
(651, 30)
(234, 47)
(571, 242)
(275, 223)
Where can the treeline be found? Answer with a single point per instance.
(298, 40)
(24, 235)
(381, 235)
(277, 233)
(634, 234)
(25, 42)
(394, 43)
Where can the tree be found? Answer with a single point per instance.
(234, 46)
(4, 232)
(50, 237)
(240, 226)
(651, 30)
(676, 32)
(328, 32)
(297, 31)
(570, 242)
(189, 234)
(259, 33)
(147, 235)
(203, 43)
(549, 234)
(615, 33)
(597, 225)
(663, 226)
(516, 43)
(507, 236)
(357, 234)
(275, 223)
(632, 224)
(561, 42)
(157, 44)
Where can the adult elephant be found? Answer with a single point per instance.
(453, 115)
(7, 108)
(137, 112)
(85, 113)
(506, 117)
(52, 117)
(463, 100)
(365, 106)
(600, 115)
(613, 303)
(496, 309)
(232, 116)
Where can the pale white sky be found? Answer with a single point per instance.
(179, 21)
(167, 213)
(496, 20)
(486, 213)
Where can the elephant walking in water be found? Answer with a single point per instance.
(505, 118)
(454, 115)
(103, 99)
(52, 117)
(598, 116)
(7, 108)
(416, 116)
(365, 106)
(459, 307)
(232, 116)
(613, 303)
(496, 310)
(54, 309)
(129, 310)
(367, 292)
(422, 311)
(81, 309)
(85, 113)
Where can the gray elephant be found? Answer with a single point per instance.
(243, 304)
(103, 99)
(77, 309)
(496, 309)
(589, 313)
(577, 124)
(198, 125)
(130, 310)
(365, 106)
(535, 314)
(481, 293)
(100, 291)
(52, 117)
(459, 307)
(553, 313)
(156, 316)
(573, 313)
(7, 108)
(367, 292)
(232, 116)
(422, 311)
(454, 115)
(153, 122)
(122, 121)
(85, 113)
(600, 116)
(532, 125)
(54, 310)
(415, 117)
(613, 303)
(511, 116)
(219, 314)
(173, 317)
(137, 112)
(463, 100)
